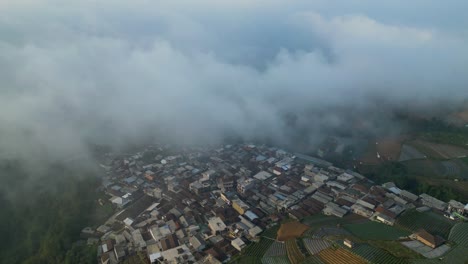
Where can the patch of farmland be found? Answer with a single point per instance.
(330, 231)
(410, 153)
(444, 151)
(276, 249)
(291, 230)
(431, 222)
(275, 260)
(450, 168)
(459, 234)
(313, 260)
(426, 251)
(314, 246)
(376, 255)
(376, 231)
(295, 255)
(340, 256)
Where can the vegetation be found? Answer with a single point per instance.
(295, 255)
(340, 256)
(43, 211)
(431, 222)
(376, 255)
(375, 231)
(395, 248)
(255, 251)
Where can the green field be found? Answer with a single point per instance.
(255, 251)
(459, 234)
(375, 231)
(376, 255)
(275, 260)
(431, 222)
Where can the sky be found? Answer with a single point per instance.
(115, 71)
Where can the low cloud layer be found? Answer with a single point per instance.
(194, 71)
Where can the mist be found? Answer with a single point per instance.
(111, 72)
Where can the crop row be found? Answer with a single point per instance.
(294, 253)
(276, 249)
(376, 255)
(340, 256)
(314, 246)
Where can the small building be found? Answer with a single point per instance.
(238, 244)
(428, 239)
(456, 206)
(240, 206)
(246, 185)
(348, 243)
(216, 224)
(197, 243)
(263, 175)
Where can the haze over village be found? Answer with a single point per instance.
(219, 131)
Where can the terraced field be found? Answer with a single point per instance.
(312, 260)
(275, 260)
(340, 256)
(376, 231)
(376, 255)
(295, 255)
(276, 249)
(315, 245)
(431, 222)
(255, 251)
(459, 234)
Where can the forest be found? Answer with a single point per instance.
(43, 211)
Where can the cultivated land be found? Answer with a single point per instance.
(376, 231)
(431, 222)
(340, 256)
(291, 230)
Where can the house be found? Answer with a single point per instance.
(432, 202)
(216, 224)
(246, 185)
(240, 206)
(410, 197)
(428, 239)
(197, 243)
(170, 241)
(455, 206)
(348, 243)
(238, 244)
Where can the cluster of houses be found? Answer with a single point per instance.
(204, 205)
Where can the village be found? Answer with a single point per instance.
(207, 205)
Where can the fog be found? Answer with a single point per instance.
(111, 72)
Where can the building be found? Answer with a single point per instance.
(428, 239)
(246, 185)
(197, 243)
(348, 243)
(198, 187)
(240, 206)
(238, 244)
(408, 196)
(216, 225)
(455, 206)
(432, 202)
(263, 175)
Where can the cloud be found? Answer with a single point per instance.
(117, 71)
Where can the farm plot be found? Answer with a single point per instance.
(254, 252)
(426, 251)
(276, 249)
(291, 230)
(294, 253)
(314, 246)
(459, 234)
(376, 231)
(312, 260)
(376, 255)
(275, 260)
(330, 231)
(410, 153)
(440, 150)
(340, 256)
(431, 222)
